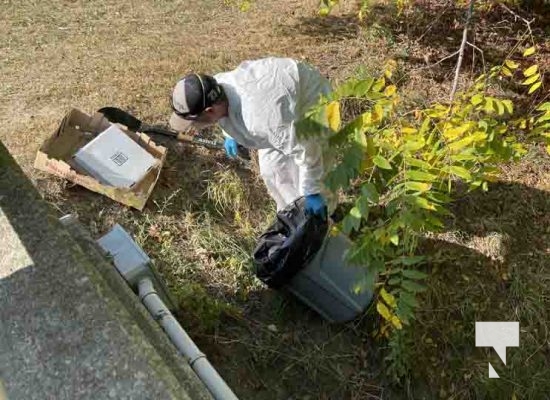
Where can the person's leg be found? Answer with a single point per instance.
(280, 175)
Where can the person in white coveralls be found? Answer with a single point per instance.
(257, 105)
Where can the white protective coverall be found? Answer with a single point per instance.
(267, 97)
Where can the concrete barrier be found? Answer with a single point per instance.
(70, 328)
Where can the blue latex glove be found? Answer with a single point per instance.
(316, 205)
(230, 147)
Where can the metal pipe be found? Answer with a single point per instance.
(197, 360)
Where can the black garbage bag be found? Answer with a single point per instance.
(289, 244)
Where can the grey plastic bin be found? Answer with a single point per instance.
(326, 284)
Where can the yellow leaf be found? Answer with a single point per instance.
(506, 71)
(390, 67)
(333, 115)
(379, 85)
(544, 117)
(408, 130)
(396, 322)
(529, 51)
(388, 298)
(531, 80)
(413, 145)
(383, 311)
(456, 132)
(418, 186)
(511, 64)
(245, 6)
(390, 90)
(534, 87)
(500, 107)
(366, 118)
(420, 176)
(477, 99)
(531, 70)
(458, 145)
(434, 113)
(523, 124)
(548, 149)
(423, 203)
(391, 64)
(489, 102)
(480, 136)
(491, 177)
(378, 112)
(509, 106)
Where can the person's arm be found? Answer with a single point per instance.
(308, 157)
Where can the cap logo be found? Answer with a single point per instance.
(213, 95)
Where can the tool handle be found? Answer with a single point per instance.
(184, 137)
(212, 144)
(193, 139)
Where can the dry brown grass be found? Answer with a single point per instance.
(88, 54)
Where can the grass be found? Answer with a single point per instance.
(203, 218)
(492, 265)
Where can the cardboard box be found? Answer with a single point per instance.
(75, 131)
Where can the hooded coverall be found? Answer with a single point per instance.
(267, 97)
